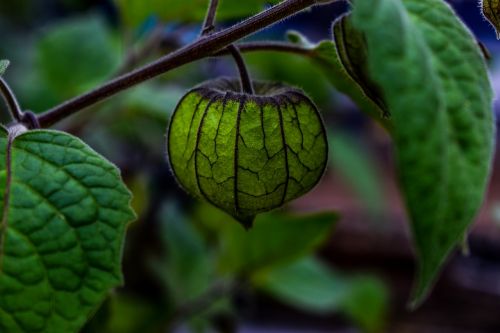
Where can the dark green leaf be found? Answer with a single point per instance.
(65, 210)
(326, 57)
(352, 53)
(358, 168)
(274, 240)
(188, 267)
(125, 313)
(436, 85)
(311, 285)
(306, 284)
(129, 314)
(367, 303)
(76, 55)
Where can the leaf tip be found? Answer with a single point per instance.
(426, 277)
(296, 37)
(419, 295)
(4, 64)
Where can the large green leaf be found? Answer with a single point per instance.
(134, 12)
(352, 53)
(65, 210)
(325, 56)
(436, 85)
(310, 285)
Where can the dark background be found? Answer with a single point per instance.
(372, 237)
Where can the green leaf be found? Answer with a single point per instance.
(76, 55)
(130, 314)
(436, 84)
(126, 313)
(4, 64)
(325, 56)
(358, 168)
(367, 303)
(307, 284)
(65, 210)
(274, 240)
(310, 285)
(135, 12)
(296, 37)
(187, 270)
(352, 53)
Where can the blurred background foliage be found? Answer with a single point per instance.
(188, 266)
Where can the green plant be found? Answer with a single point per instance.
(411, 65)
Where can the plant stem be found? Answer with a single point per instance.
(245, 80)
(208, 28)
(10, 100)
(201, 48)
(209, 24)
(270, 46)
(246, 83)
(261, 46)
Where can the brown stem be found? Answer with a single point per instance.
(209, 24)
(271, 46)
(203, 47)
(245, 80)
(10, 100)
(208, 28)
(259, 46)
